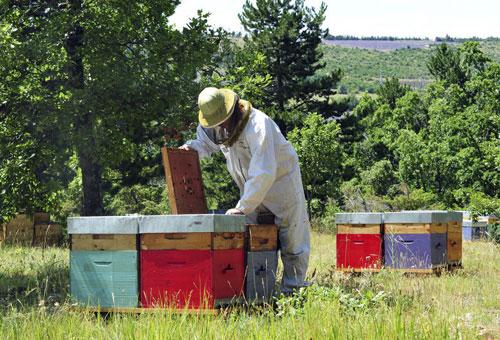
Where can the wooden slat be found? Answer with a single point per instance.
(429, 228)
(176, 241)
(262, 237)
(228, 241)
(103, 242)
(139, 310)
(358, 270)
(184, 182)
(359, 229)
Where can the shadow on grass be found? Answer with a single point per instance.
(38, 282)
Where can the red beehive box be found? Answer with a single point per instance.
(191, 278)
(359, 241)
(201, 265)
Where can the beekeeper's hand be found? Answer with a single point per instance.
(184, 147)
(234, 211)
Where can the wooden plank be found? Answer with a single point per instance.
(262, 237)
(359, 229)
(428, 228)
(228, 241)
(103, 242)
(176, 241)
(184, 182)
(358, 270)
(139, 310)
(454, 226)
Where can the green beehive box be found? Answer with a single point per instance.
(104, 278)
(104, 261)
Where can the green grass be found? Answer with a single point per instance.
(466, 304)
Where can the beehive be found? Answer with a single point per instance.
(18, 230)
(359, 241)
(191, 261)
(415, 240)
(473, 231)
(47, 234)
(262, 261)
(104, 260)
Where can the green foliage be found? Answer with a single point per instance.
(149, 199)
(365, 69)
(288, 34)
(391, 90)
(320, 156)
(99, 79)
(220, 190)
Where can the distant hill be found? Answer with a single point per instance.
(367, 62)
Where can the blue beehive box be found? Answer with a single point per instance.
(415, 239)
(104, 261)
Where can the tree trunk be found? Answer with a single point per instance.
(86, 146)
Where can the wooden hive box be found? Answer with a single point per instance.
(47, 234)
(262, 261)
(193, 261)
(454, 238)
(104, 261)
(415, 240)
(18, 231)
(473, 231)
(359, 241)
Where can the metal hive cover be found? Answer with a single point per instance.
(417, 216)
(358, 218)
(191, 223)
(103, 225)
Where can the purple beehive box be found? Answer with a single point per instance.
(414, 251)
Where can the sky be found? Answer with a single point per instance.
(401, 18)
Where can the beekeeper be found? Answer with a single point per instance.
(265, 167)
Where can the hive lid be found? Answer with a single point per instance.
(417, 216)
(103, 225)
(469, 223)
(455, 216)
(358, 218)
(196, 223)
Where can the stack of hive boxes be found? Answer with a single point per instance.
(262, 261)
(454, 238)
(359, 241)
(474, 230)
(104, 260)
(191, 261)
(174, 261)
(46, 233)
(415, 241)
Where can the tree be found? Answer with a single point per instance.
(391, 90)
(320, 156)
(288, 34)
(101, 77)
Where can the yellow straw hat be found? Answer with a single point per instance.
(216, 106)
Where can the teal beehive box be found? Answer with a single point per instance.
(104, 261)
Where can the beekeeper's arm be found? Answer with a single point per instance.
(263, 166)
(202, 144)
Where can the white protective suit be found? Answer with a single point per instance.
(265, 167)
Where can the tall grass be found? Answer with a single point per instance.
(461, 305)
